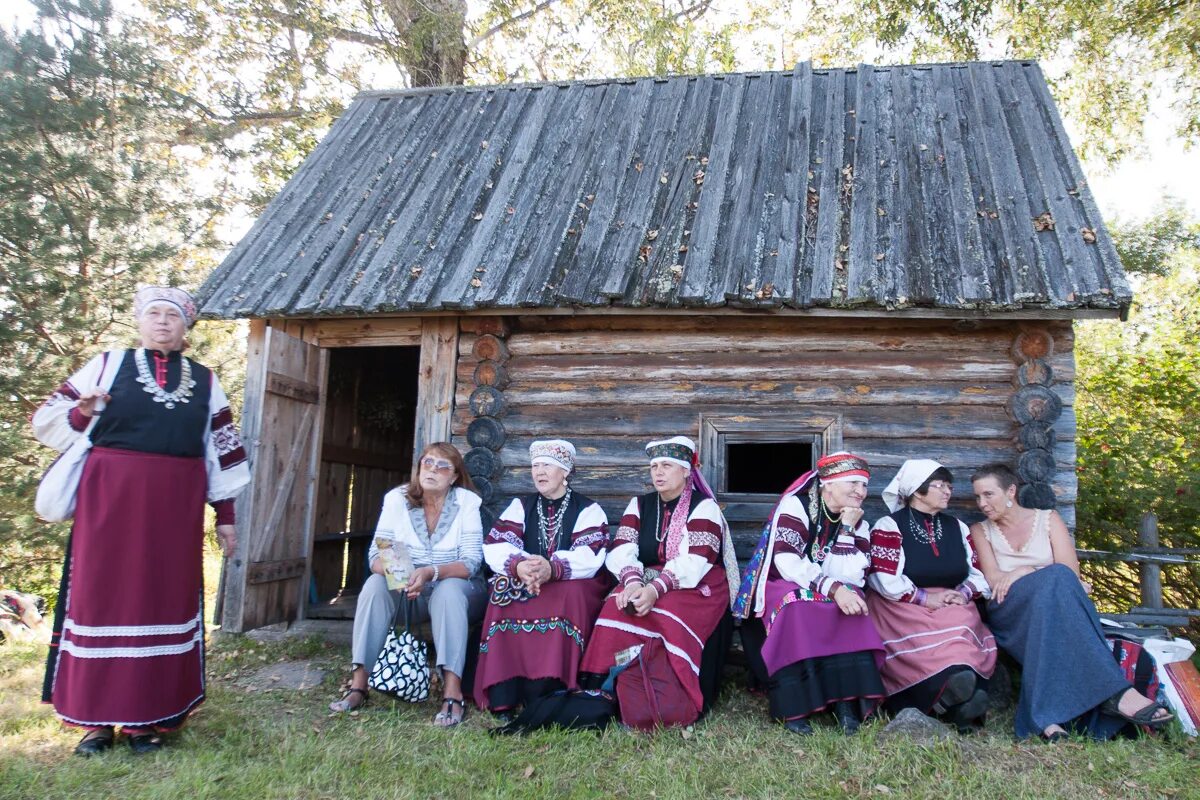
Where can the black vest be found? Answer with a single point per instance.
(533, 539)
(948, 568)
(132, 420)
(651, 551)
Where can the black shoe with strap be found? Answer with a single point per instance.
(95, 742)
(145, 743)
(800, 726)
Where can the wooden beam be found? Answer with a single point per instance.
(313, 478)
(369, 331)
(435, 382)
(271, 571)
(287, 386)
(234, 567)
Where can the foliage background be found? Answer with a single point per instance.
(138, 143)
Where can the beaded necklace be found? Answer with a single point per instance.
(817, 512)
(183, 391)
(550, 529)
(930, 533)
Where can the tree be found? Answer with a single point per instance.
(1138, 431)
(1106, 59)
(93, 199)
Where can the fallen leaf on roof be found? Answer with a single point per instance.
(1043, 222)
(651, 234)
(476, 282)
(1088, 234)
(478, 216)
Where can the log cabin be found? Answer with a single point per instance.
(778, 264)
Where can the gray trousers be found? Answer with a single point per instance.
(452, 604)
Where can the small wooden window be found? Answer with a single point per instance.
(750, 460)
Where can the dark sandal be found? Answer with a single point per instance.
(95, 742)
(145, 743)
(445, 718)
(343, 705)
(1143, 716)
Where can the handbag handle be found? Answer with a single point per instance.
(409, 604)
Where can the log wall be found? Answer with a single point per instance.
(904, 388)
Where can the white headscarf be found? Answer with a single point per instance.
(555, 452)
(912, 474)
(677, 450)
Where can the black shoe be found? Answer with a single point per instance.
(95, 742)
(965, 714)
(800, 726)
(504, 717)
(847, 716)
(959, 689)
(144, 743)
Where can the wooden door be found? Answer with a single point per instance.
(265, 582)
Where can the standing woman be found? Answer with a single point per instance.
(676, 573)
(925, 578)
(1042, 617)
(545, 550)
(436, 517)
(128, 643)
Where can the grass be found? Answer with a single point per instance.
(284, 744)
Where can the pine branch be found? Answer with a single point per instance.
(334, 31)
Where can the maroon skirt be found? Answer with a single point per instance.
(682, 619)
(541, 637)
(128, 646)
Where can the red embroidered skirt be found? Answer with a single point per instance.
(542, 637)
(130, 646)
(683, 619)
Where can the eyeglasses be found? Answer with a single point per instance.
(439, 464)
(941, 486)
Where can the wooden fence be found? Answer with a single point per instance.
(1150, 558)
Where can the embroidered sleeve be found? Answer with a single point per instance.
(57, 422)
(224, 456)
(504, 546)
(589, 542)
(791, 535)
(887, 564)
(849, 558)
(622, 559)
(698, 553)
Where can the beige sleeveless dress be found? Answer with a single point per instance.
(1034, 553)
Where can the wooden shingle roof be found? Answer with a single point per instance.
(946, 186)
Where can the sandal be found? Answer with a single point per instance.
(446, 718)
(1054, 736)
(1146, 715)
(95, 742)
(344, 705)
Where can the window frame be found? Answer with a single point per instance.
(822, 429)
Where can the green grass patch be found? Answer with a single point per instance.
(284, 744)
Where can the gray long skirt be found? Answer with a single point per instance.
(1049, 625)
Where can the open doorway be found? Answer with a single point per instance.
(366, 449)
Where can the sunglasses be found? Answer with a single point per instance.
(439, 464)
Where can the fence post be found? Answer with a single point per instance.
(1150, 574)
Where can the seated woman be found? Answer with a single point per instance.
(924, 577)
(436, 516)
(546, 550)
(821, 650)
(1041, 615)
(676, 569)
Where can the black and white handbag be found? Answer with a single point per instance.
(402, 669)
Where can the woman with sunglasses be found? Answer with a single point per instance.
(436, 517)
(924, 578)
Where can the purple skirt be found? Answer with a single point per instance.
(799, 629)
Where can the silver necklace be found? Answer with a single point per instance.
(183, 391)
(550, 529)
(926, 535)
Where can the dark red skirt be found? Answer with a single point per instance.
(542, 637)
(128, 647)
(683, 619)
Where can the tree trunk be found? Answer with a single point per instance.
(434, 51)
